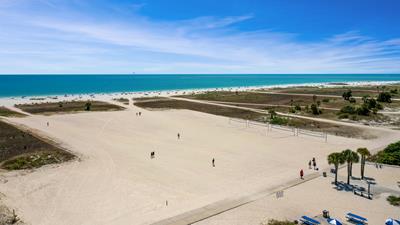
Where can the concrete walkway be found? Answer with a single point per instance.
(219, 207)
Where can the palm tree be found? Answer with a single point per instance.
(364, 154)
(336, 159)
(350, 157)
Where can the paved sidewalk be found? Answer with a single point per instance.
(219, 207)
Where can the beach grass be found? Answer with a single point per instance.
(393, 200)
(22, 150)
(124, 101)
(278, 222)
(9, 113)
(68, 107)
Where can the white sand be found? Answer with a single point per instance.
(314, 196)
(116, 182)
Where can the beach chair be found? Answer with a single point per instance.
(356, 218)
(309, 221)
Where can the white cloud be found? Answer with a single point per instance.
(63, 39)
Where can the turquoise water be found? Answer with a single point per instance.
(29, 85)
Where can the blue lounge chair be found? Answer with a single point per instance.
(309, 221)
(356, 218)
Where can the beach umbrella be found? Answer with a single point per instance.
(334, 222)
(391, 221)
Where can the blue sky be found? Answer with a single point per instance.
(208, 36)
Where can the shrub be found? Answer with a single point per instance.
(390, 155)
(277, 222)
(279, 120)
(352, 100)
(393, 200)
(347, 95)
(363, 110)
(88, 106)
(297, 107)
(384, 97)
(272, 113)
(315, 110)
(348, 109)
(325, 100)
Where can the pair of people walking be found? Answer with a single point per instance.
(313, 163)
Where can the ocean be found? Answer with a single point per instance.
(42, 85)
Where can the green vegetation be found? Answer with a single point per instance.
(35, 160)
(277, 120)
(384, 97)
(260, 98)
(9, 113)
(347, 95)
(124, 101)
(364, 154)
(68, 107)
(315, 110)
(390, 155)
(369, 105)
(393, 200)
(350, 157)
(88, 106)
(277, 222)
(22, 150)
(336, 159)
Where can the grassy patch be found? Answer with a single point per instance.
(277, 222)
(259, 98)
(393, 200)
(124, 101)
(9, 113)
(328, 107)
(68, 107)
(36, 160)
(20, 149)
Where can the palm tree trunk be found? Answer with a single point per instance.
(348, 173)
(362, 167)
(336, 171)
(351, 169)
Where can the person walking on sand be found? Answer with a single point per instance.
(309, 164)
(301, 174)
(179, 135)
(48, 124)
(213, 162)
(315, 165)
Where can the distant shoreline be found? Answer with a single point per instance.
(161, 93)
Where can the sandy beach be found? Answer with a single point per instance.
(116, 182)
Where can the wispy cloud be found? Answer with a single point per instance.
(69, 38)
